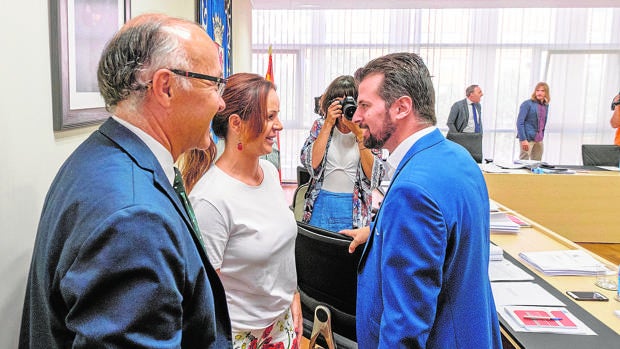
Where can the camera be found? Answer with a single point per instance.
(614, 104)
(317, 105)
(349, 106)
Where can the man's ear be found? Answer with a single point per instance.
(402, 107)
(162, 86)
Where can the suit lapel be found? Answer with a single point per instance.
(145, 159)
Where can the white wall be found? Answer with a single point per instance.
(30, 151)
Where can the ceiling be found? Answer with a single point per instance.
(353, 4)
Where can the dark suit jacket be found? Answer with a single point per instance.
(423, 278)
(114, 263)
(459, 115)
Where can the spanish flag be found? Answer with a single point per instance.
(274, 157)
(269, 75)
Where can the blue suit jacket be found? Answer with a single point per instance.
(527, 121)
(115, 264)
(423, 278)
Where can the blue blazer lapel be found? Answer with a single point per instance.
(422, 144)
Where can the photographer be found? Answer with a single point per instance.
(343, 172)
(615, 118)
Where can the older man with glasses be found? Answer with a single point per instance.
(118, 261)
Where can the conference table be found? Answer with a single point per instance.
(582, 207)
(598, 316)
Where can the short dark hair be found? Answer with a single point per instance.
(342, 86)
(404, 74)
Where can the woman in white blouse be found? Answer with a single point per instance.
(246, 224)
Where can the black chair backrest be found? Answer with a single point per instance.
(600, 154)
(470, 141)
(327, 275)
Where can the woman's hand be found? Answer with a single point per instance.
(525, 145)
(357, 131)
(298, 320)
(334, 112)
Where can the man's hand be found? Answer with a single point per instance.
(359, 236)
(525, 145)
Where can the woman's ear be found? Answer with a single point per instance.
(235, 123)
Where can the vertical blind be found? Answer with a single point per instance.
(505, 51)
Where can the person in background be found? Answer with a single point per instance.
(615, 118)
(343, 171)
(116, 263)
(466, 114)
(423, 276)
(531, 123)
(247, 226)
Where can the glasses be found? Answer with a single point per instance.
(220, 82)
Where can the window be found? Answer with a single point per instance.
(505, 51)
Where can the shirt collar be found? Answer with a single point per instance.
(162, 154)
(401, 150)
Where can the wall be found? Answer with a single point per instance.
(31, 152)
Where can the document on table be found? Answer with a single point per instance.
(496, 253)
(544, 319)
(566, 262)
(500, 223)
(610, 168)
(522, 293)
(493, 206)
(505, 270)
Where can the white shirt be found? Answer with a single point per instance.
(471, 125)
(249, 234)
(162, 154)
(343, 156)
(401, 150)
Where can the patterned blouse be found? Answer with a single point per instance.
(362, 188)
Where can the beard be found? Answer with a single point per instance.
(378, 141)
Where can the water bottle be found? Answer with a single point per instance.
(618, 286)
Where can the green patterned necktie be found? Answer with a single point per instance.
(180, 189)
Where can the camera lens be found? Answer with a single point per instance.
(348, 110)
(349, 106)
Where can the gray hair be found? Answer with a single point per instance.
(470, 89)
(404, 74)
(135, 53)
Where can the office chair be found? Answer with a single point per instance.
(303, 176)
(298, 201)
(470, 141)
(327, 277)
(600, 154)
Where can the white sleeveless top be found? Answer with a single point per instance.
(343, 157)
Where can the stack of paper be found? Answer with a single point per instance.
(500, 223)
(519, 221)
(493, 206)
(496, 253)
(565, 262)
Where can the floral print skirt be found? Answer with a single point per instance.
(279, 335)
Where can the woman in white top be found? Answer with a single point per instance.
(247, 227)
(343, 172)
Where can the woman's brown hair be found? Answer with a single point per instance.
(245, 95)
